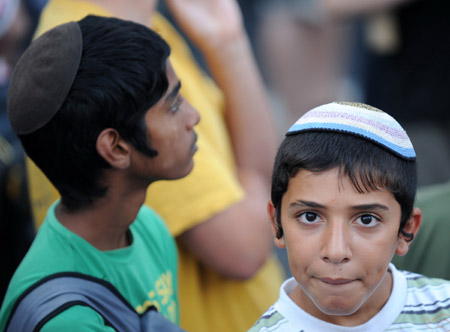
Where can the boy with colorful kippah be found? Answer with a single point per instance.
(343, 190)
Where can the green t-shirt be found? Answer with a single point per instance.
(145, 272)
(428, 253)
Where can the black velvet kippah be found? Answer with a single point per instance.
(43, 77)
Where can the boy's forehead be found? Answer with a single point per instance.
(359, 120)
(173, 86)
(171, 75)
(325, 186)
(342, 180)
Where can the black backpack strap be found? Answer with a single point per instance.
(55, 293)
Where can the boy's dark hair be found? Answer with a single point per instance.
(121, 74)
(368, 166)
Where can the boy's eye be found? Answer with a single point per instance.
(368, 220)
(308, 217)
(176, 105)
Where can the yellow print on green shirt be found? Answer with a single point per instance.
(162, 297)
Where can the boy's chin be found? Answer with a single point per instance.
(338, 311)
(184, 172)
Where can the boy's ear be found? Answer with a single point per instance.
(411, 227)
(279, 242)
(113, 149)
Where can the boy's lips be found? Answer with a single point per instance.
(336, 281)
(194, 144)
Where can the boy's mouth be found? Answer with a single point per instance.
(336, 281)
(194, 147)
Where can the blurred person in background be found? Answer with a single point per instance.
(17, 22)
(303, 55)
(408, 77)
(429, 252)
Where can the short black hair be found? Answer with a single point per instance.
(367, 165)
(122, 73)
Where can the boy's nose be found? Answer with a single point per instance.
(194, 116)
(336, 247)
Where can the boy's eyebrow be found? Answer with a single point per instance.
(174, 92)
(307, 204)
(374, 206)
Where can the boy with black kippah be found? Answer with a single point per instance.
(96, 105)
(343, 190)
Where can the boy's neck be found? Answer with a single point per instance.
(106, 222)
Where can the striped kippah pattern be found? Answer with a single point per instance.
(361, 120)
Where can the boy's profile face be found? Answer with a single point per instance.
(170, 129)
(339, 244)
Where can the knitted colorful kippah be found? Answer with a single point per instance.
(361, 120)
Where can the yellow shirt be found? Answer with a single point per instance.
(208, 301)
